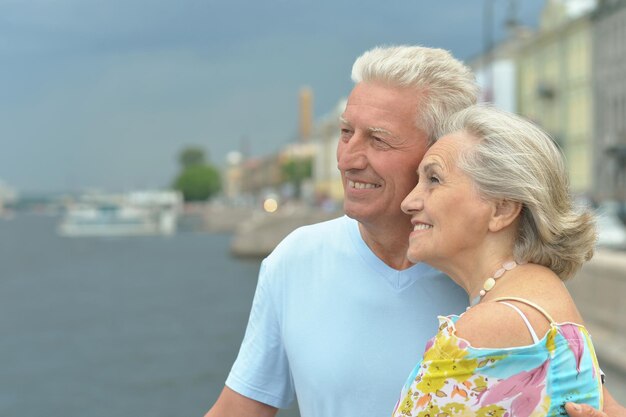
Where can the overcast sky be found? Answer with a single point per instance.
(104, 94)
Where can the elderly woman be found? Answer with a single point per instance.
(492, 210)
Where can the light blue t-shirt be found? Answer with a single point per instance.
(335, 325)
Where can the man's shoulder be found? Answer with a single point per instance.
(305, 248)
(312, 240)
(312, 235)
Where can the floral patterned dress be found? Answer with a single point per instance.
(456, 379)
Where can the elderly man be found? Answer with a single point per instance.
(340, 316)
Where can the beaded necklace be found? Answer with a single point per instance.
(491, 281)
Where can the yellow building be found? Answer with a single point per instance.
(609, 73)
(555, 86)
(326, 176)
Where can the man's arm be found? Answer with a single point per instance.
(232, 404)
(261, 362)
(611, 408)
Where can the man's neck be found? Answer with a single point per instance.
(389, 243)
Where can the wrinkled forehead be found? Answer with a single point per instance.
(447, 151)
(453, 144)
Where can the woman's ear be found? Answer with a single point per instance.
(504, 213)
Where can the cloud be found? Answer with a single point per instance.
(105, 93)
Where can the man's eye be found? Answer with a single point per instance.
(345, 134)
(433, 179)
(380, 142)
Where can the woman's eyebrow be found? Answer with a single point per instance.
(429, 166)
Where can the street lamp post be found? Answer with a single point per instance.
(488, 48)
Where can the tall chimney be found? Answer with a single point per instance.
(306, 113)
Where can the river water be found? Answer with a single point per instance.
(117, 327)
(122, 327)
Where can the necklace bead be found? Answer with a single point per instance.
(509, 265)
(489, 284)
(491, 281)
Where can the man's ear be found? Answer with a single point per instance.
(504, 213)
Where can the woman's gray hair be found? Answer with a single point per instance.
(444, 83)
(517, 161)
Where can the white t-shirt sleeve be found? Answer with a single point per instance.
(261, 371)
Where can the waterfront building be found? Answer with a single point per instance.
(609, 92)
(555, 84)
(326, 176)
(232, 175)
(496, 68)
(496, 71)
(260, 176)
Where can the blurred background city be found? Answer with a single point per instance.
(153, 153)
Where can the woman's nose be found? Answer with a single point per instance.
(412, 202)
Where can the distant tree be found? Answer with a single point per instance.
(198, 180)
(295, 171)
(191, 156)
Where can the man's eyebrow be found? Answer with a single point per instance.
(381, 130)
(371, 129)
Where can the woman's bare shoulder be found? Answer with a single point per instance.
(541, 286)
(494, 324)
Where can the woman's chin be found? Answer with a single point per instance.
(420, 257)
(415, 257)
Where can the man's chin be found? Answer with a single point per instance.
(349, 214)
(360, 216)
(351, 211)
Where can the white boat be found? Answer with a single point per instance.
(132, 214)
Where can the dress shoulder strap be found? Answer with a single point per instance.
(523, 316)
(529, 303)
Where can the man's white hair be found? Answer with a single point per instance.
(444, 84)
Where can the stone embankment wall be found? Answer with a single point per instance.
(226, 219)
(600, 294)
(259, 234)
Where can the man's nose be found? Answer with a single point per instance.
(352, 154)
